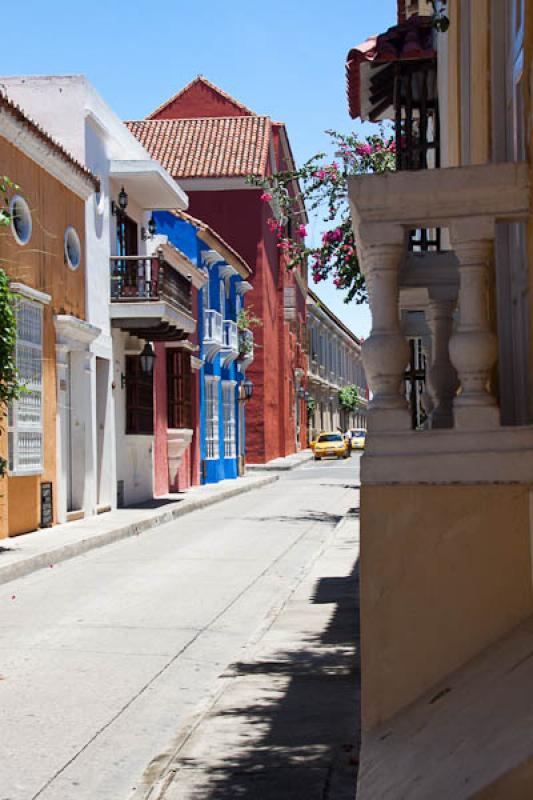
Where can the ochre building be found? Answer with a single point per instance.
(43, 254)
(446, 525)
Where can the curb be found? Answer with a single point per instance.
(65, 552)
(279, 468)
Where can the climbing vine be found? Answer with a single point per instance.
(10, 387)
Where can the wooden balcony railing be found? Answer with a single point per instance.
(142, 279)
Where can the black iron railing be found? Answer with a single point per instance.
(149, 278)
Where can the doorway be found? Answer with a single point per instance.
(102, 422)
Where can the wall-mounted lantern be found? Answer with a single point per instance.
(117, 209)
(248, 388)
(150, 233)
(147, 359)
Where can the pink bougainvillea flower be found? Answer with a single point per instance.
(266, 197)
(364, 150)
(302, 231)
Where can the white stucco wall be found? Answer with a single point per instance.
(134, 453)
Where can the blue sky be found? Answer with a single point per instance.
(285, 60)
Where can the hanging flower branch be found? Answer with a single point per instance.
(323, 187)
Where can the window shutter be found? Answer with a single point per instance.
(139, 398)
(179, 383)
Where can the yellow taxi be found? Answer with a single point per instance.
(331, 444)
(357, 439)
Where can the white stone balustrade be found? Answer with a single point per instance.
(451, 289)
(442, 376)
(386, 352)
(473, 346)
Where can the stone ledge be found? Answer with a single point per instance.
(501, 455)
(470, 731)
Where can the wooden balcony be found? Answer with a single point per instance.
(150, 298)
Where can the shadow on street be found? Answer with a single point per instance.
(292, 717)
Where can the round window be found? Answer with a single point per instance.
(21, 224)
(72, 248)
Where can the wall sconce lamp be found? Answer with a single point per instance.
(150, 233)
(248, 388)
(116, 210)
(147, 359)
(301, 393)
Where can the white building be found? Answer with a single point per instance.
(116, 240)
(334, 363)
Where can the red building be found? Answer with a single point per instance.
(210, 142)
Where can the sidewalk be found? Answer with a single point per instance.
(24, 554)
(282, 464)
(284, 723)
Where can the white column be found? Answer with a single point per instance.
(443, 381)
(385, 352)
(62, 431)
(473, 346)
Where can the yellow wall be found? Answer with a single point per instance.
(445, 571)
(41, 265)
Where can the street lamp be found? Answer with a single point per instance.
(147, 359)
(248, 388)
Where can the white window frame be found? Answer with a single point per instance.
(222, 295)
(25, 419)
(205, 297)
(229, 418)
(212, 444)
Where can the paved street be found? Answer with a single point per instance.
(106, 656)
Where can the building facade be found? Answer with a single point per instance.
(215, 368)
(334, 363)
(210, 142)
(446, 586)
(138, 293)
(43, 254)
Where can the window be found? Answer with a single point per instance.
(205, 298)
(228, 416)
(72, 246)
(222, 290)
(179, 388)
(21, 223)
(25, 422)
(139, 398)
(211, 416)
(238, 305)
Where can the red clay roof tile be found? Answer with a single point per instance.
(206, 147)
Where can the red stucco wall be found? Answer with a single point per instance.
(160, 456)
(240, 217)
(200, 100)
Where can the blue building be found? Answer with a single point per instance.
(223, 349)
